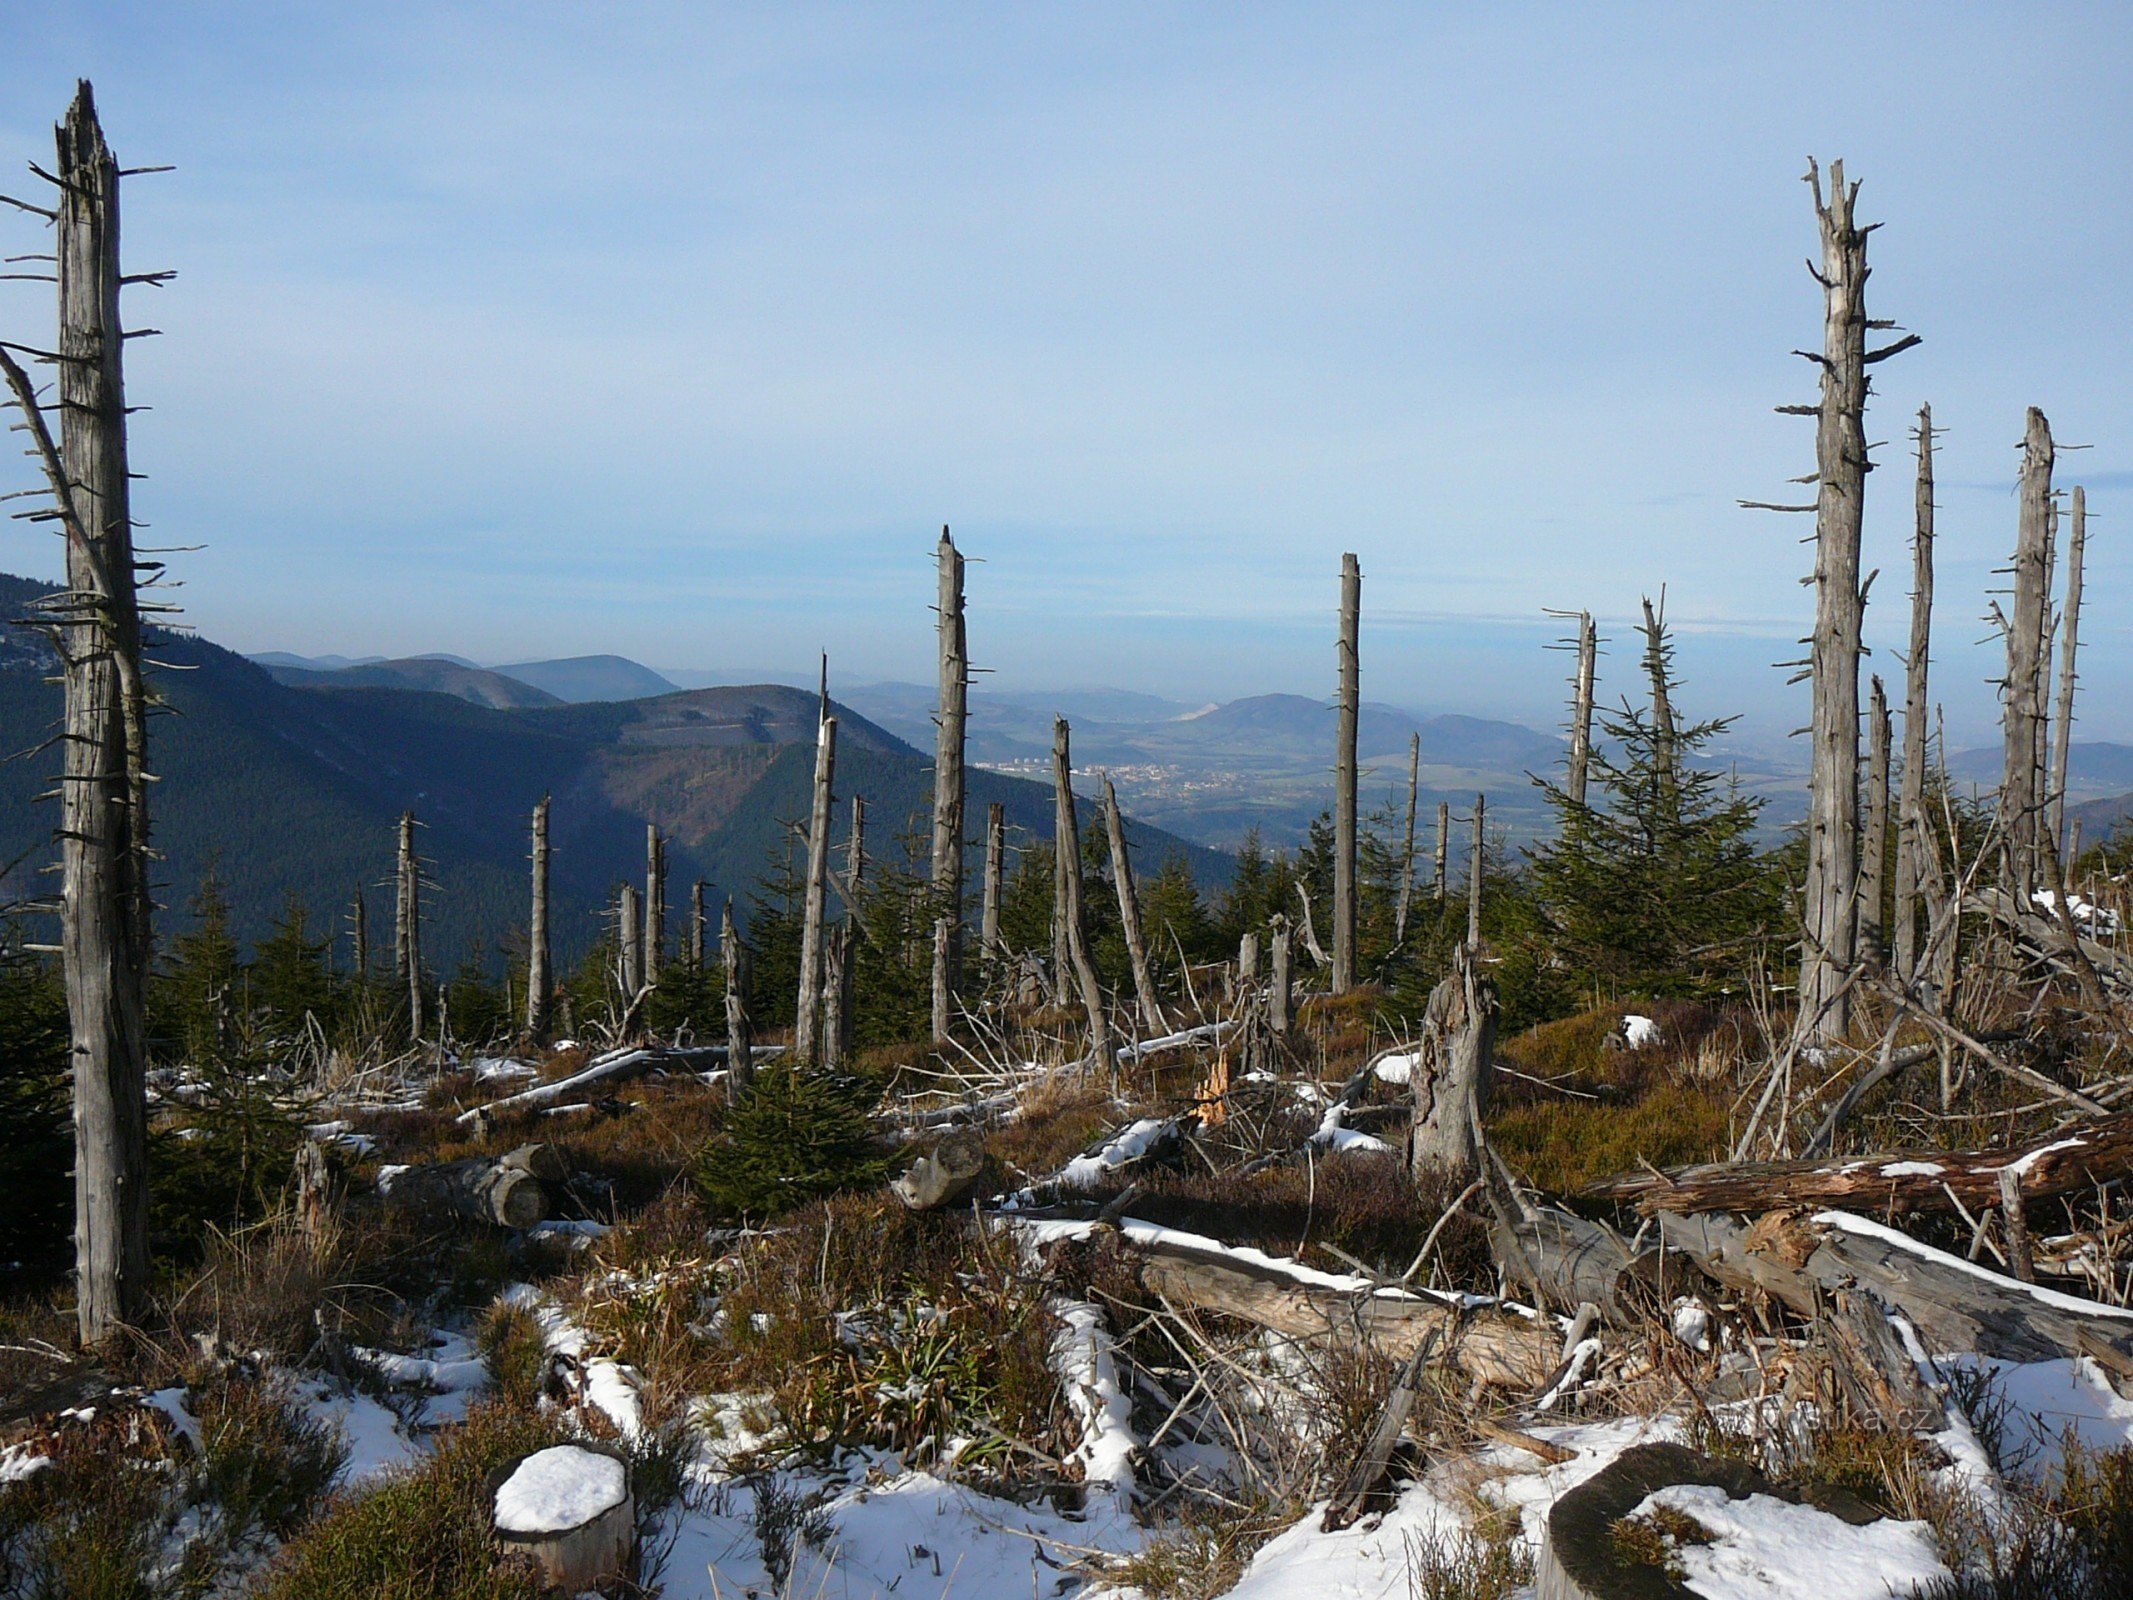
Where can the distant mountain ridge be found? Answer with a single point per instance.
(435, 674)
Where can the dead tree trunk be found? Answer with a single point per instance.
(539, 982)
(410, 925)
(655, 902)
(1829, 901)
(1344, 779)
(1912, 822)
(629, 934)
(1277, 994)
(808, 1010)
(855, 850)
(1066, 858)
(361, 936)
(103, 830)
(1452, 1071)
(2024, 691)
(1874, 856)
(948, 787)
(2076, 553)
(1477, 861)
(697, 927)
(1407, 852)
(995, 874)
(1129, 913)
(835, 948)
(1581, 710)
(1077, 936)
(1444, 850)
(740, 1049)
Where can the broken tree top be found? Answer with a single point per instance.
(555, 1490)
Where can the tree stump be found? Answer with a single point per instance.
(944, 1174)
(570, 1509)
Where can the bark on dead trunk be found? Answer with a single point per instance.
(740, 1053)
(806, 1015)
(629, 932)
(1344, 779)
(1581, 710)
(539, 982)
(1452, 1071)
(655, 902)
(1277, 994)
(1129, 913)
(948, 786)
(2021, 805)
(995, 873)
(1874, 851)
(697, 926)
(2076, 555)
(1912, 853)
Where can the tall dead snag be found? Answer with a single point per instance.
(1874, 858)
(1452, 1071)
(855, 851)
(103, 829)
(539, 981)
(1277, 994)
(1129, 912)
(629, 937)
(655, 902)
(1477, 862)
(740, 1053)
(1407, 852)
(2076, 554)
(1829, 899)
(2023, 692)
(808, 1009)
(1581, 710)
(1344, 779)
(1444, 849)
(834, 994)
(1066, 845)
(948, 785)
(995, 875)
(1913, 841)
(407, 925)
(697, 927)
(359, 934)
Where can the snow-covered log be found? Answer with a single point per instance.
(613, 1067)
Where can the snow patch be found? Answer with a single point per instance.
(1765, 1548)
(1640, 1033)
(1395, 1069)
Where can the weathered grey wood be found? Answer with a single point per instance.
(2014, 1219)
(943, 1173)
(2076, 557)
(1129, 913)
(1369, 1469)
(409, 924)
(836, 993)
(1477, 863)
(1444, 850)
(1914, 851)
(1277, 994)
(2022, 711)
(1067, 847)
(481, 1188)
(1344, 778)
(1565, 1260)
(855, 847)
(540, 981)
(1581, 710)
(948, 785)
(807, 1013)
(360, 935)
(1874, 849)
(698, 928)
(1829, 902)
(1875, 1369)
(1454, 1062)
(629, 939)
(655, 902)
(1247, 962)
(995, 875)
(740, 1054)
(1407, 849)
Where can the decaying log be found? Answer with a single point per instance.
(1485, 1341)
(1875, 1369)
(1955, 1305)
(1899, 1181)
(943, 1173)
(1565, 1260)
(2044, 935)
(613, 1067)
(505, 1191)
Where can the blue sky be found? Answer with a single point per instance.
(679, 331)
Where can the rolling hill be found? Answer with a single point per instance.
(437, 674)
(294, 791)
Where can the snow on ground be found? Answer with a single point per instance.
(562, 1487)
(2089, 918)
(1769, 1549)
(1395, 1069)
(1082, 1358)
(2044, 1402)
(1639, 1033)
(19, 1461)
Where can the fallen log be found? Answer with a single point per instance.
(612, 1067)
(1482, 1338)
(1956, 1305)
(504, 1190)
(1899, 1181)
(2045, 934)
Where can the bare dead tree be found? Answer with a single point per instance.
(1129, 912)
(1407, 852)
(740, 1057)
(1066, 846)
(408, 925)
(2069, 643)
(1874, 855)
(948, 784)
(834, 994)
(655, 902)
(1912, 821)
(1344, 778)
(698, 926)
(1581, 709)
(855, 847)
(1476, 863)
(808, 1010)
(1829, 900)
(360, 935)
(1277, 994)
(1444, 850)
(540, 984)
(105, 904)
(629, 935)
(1451, 1077)
(995, 873)
(2023, 693)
